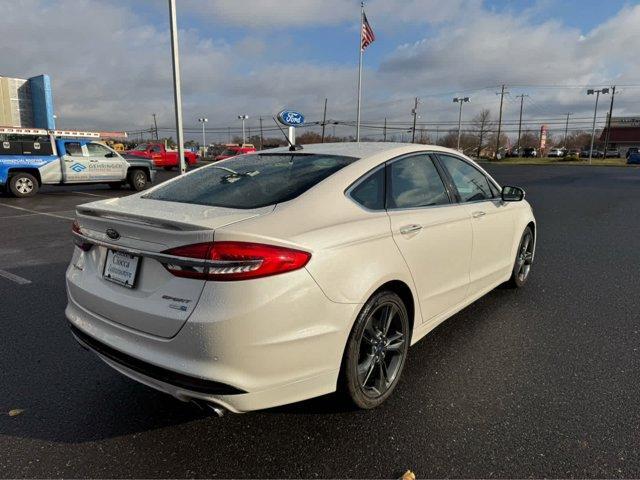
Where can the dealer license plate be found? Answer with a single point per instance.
(121, 268)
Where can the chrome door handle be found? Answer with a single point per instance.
(410, 229)
(478, 214)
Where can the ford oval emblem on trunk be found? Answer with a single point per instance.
(112, 234)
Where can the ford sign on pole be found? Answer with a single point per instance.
(291, 118)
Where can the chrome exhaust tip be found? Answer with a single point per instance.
(204, 405)
(219, 411)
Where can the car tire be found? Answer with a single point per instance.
(523, 261)
(376, 351)
(137, 179)
(115, 185)
(22, 184)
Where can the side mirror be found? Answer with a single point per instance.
(512, 194)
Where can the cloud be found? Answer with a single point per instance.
(273, 13)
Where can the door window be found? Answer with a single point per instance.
(370, 192)
(73, 148)
(471, 183)
(415, 182)
(97, 150)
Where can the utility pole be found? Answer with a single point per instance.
(228, 134)
(384, 132)
(177, 95)
(155, 124)
(414, 111)
(591, 91)
(502, 93)
(606, 139)
(521, 97)
(261, 135)
(460, 100)
(566, 129)
(324, 119)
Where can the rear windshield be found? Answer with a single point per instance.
(252, 181)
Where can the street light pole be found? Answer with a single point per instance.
(177, 95)
(244, 136)
(595, 112)
(460, 100)
(203, 120)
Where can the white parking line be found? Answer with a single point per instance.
(91, 194)
(36, 212)
(14, 278)
(27, 215)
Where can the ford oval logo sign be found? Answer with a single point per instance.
(112, 234)
(291, 118)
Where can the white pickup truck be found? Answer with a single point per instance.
(30, 158)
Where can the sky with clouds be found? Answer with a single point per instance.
(110, 60)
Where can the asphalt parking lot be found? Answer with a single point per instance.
(539, 382)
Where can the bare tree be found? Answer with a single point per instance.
(481, 125)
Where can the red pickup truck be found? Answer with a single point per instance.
(161, 156)
(233, 150)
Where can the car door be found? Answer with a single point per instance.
(104, 163)
(432, 232)
(75, 162)
(492, 221)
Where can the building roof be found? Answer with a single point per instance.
(622, 135)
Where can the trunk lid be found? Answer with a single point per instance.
(159, 303)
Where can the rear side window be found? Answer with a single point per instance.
(471, 183)
(252, 181)
(415, 182)
(370, 192)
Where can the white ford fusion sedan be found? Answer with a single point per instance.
(282, 275)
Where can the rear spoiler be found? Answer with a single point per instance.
(139, 220)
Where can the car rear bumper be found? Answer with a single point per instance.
(259, 351)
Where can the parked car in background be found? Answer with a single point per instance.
(573, 154)
(633, 159)
(529, 152)
(584, 153)
(631, 150)
(162, 156)
(512, 152)
(220, 287)
(233, 150)
(612, 153)
(556, 152)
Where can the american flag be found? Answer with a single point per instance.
(368, 37)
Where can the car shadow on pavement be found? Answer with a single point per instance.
(69, 396)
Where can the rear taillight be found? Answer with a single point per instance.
(236, 260)
(84, 246)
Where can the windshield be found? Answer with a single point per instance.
(252, 181)
(142, 147)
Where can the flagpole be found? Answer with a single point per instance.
(360, 72)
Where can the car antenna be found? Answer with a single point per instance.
(292, 147)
